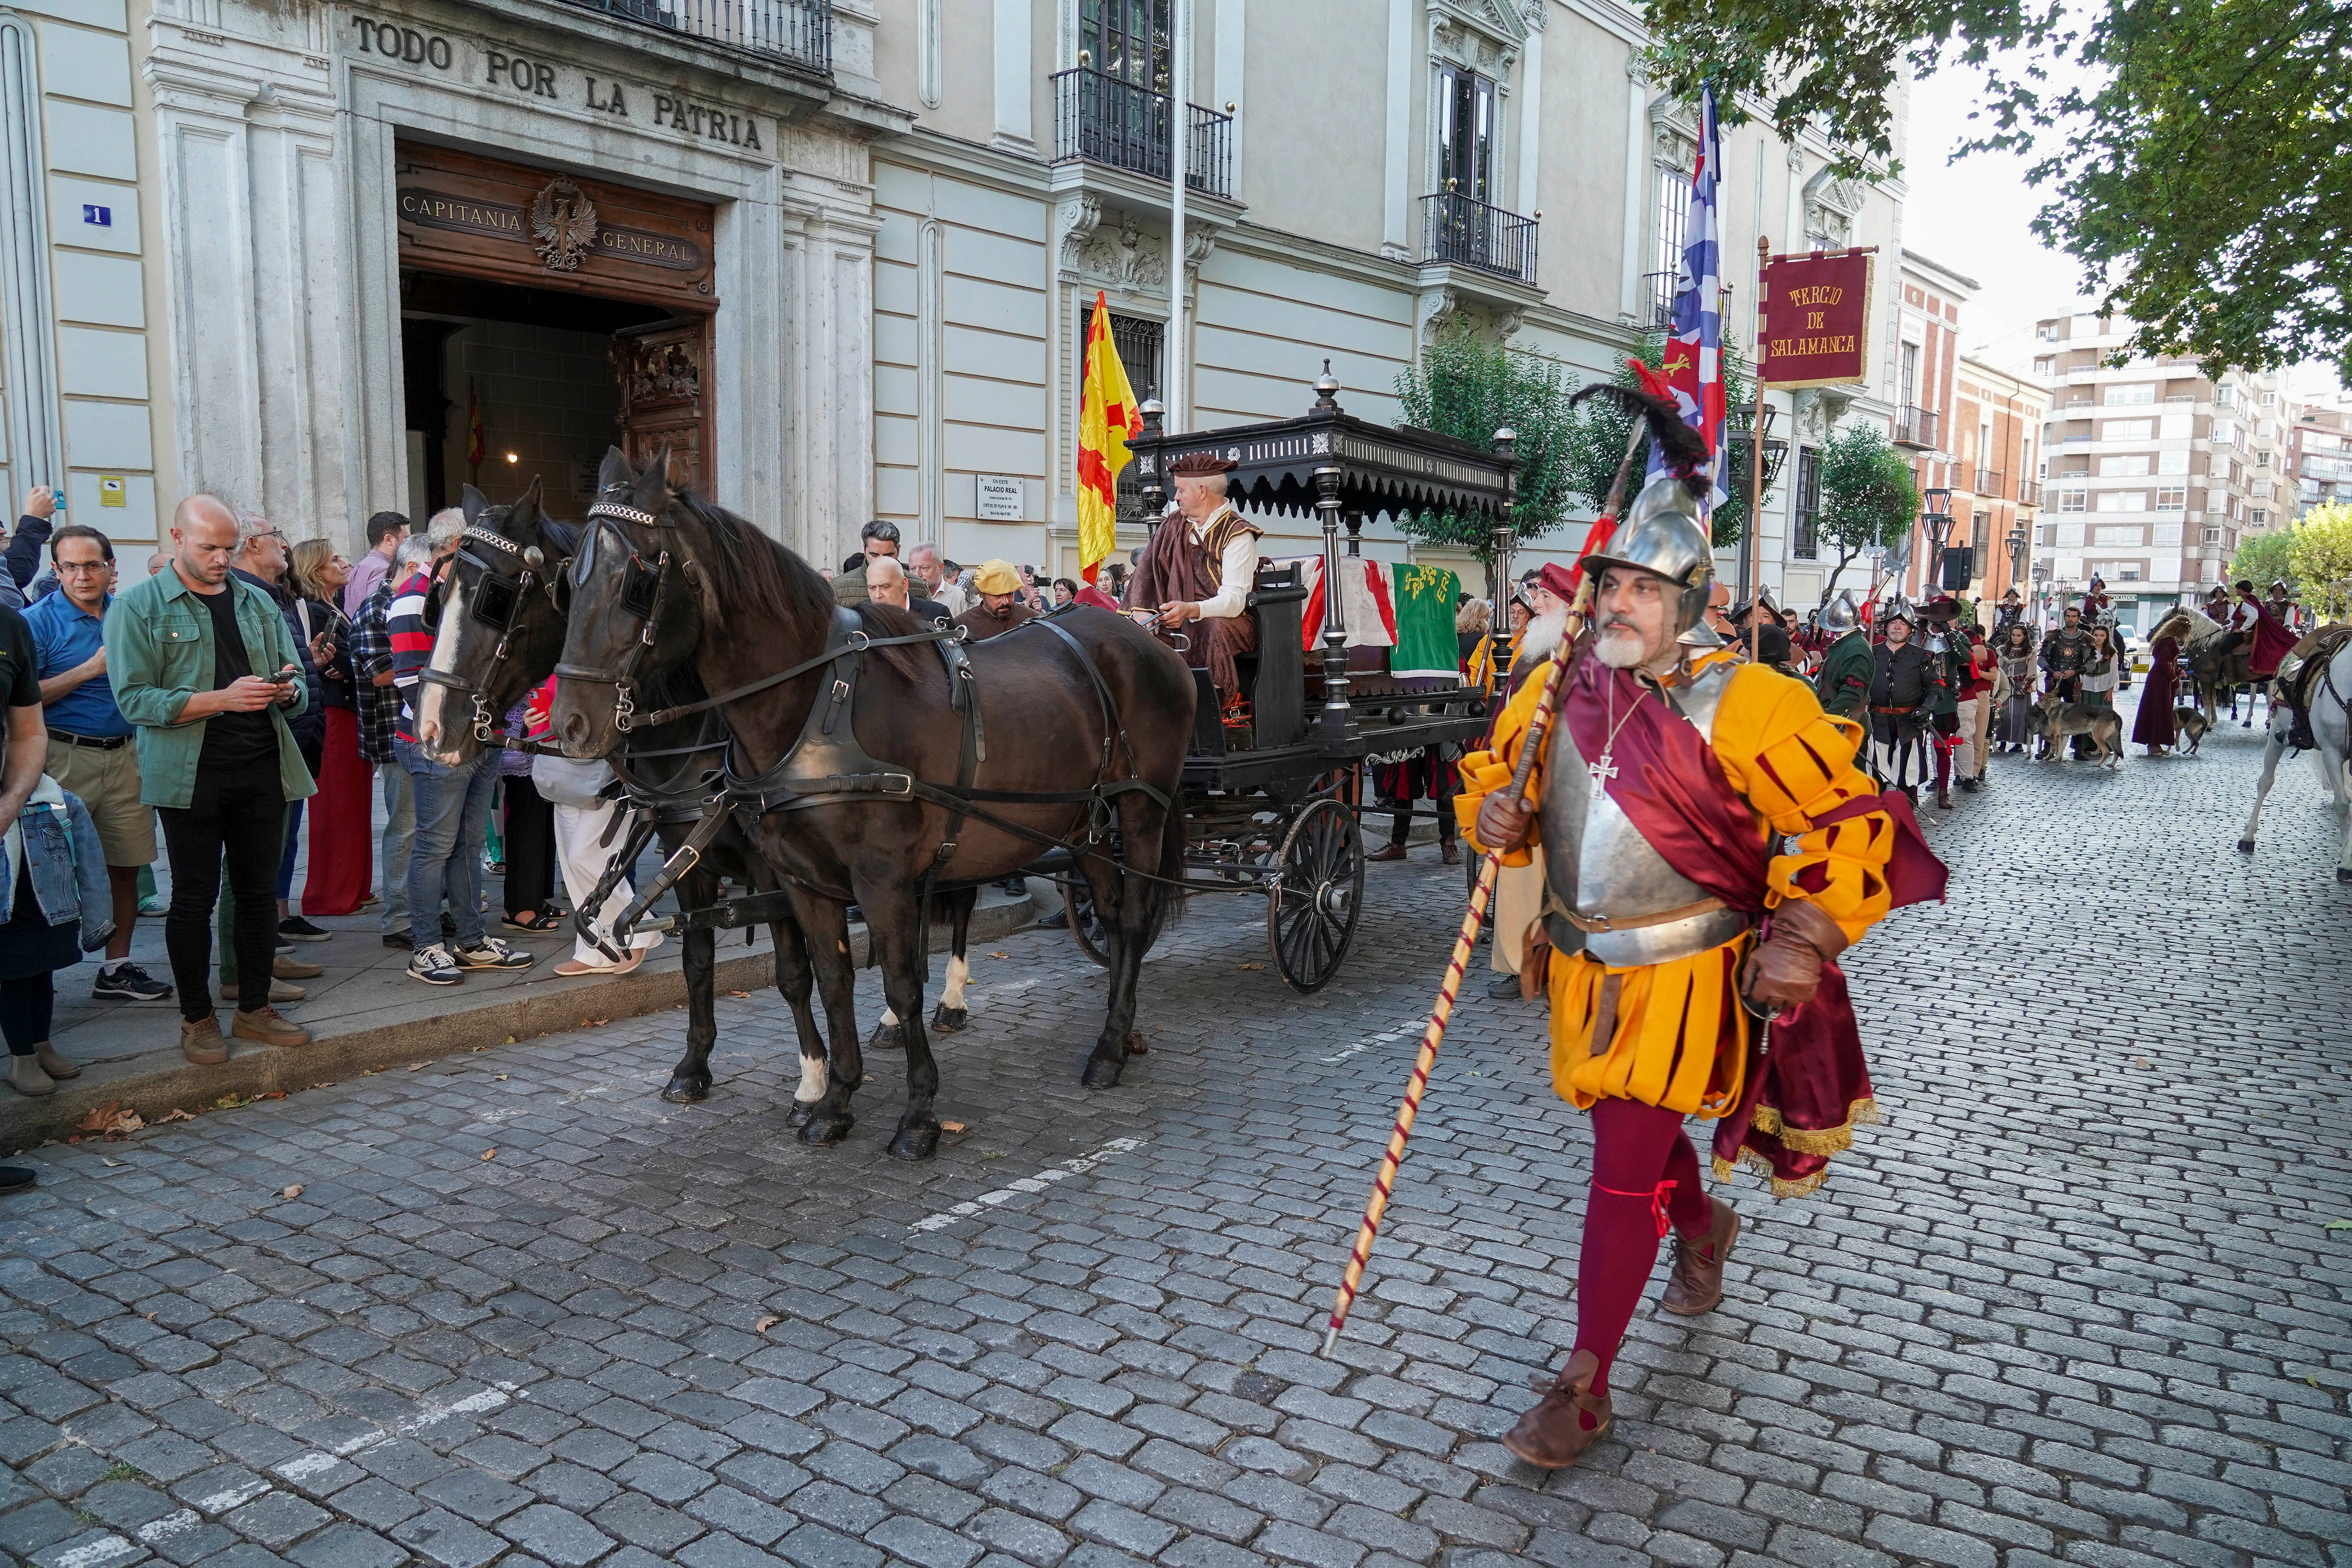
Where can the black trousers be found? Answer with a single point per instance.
(26, 1008)
(530, 847)
(233, 825)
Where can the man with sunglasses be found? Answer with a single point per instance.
(452, 804)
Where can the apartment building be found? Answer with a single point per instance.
(2151, 472)
(2319, 455)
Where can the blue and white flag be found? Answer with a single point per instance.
(1694, 353)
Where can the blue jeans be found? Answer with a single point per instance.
(399, 831)
(453, 822)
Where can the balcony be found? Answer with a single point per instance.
(1658, 287)
(797, 32)
(1106, 119)
(1462, 231)
(1989, 482)
(2028, 494)
(1915, 426)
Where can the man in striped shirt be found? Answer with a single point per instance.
(452, 804)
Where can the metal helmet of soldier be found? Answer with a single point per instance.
(1839, 616)
(1663, 533)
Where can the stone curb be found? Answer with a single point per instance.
(159, 1082)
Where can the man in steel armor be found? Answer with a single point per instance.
(2065, 653)
(1708, 848)
(1843, 683)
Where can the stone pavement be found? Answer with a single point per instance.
(2075, 1303)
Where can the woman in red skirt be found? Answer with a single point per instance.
(341, 855)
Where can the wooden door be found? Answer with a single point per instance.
(664, 371)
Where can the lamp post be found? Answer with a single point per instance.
(1935, 523)
(2016, 542)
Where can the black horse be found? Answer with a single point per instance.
(497, 628)
(878, 773)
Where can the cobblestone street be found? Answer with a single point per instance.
(2073, 1303)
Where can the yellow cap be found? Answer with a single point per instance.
(997, 577)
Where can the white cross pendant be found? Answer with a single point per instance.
(1603, 768)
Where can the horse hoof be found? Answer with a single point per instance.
(686, 1090)
(2246, 846)
(915, 1143)
(825, 1129)
(947, 1020)
(1102, 1072)
(798, 1116)
(888, 1037)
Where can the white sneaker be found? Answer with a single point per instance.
(492, 954)
(435, 967)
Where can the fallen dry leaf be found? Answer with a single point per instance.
(2139, 1061)
(765, 1324)
(742, 993)
(499, 1077)
(111, 1118)
(490, 1153)
(273, 1094)
(293, 1192)
(417, 1067)
(594, 1023)
(1253, 966)
(178, 1116)
(996, 955)
(953, 1126)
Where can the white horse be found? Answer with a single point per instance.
(2331, 725)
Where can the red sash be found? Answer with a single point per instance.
(1668, 781)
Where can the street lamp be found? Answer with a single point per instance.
(1937, 524)
(2016, 540)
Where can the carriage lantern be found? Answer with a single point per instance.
(1501, 541)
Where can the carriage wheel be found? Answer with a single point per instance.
(1087, 924)
(1311, 909)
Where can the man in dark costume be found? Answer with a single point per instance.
(1843, 683)
(1903, 679)
(1949, 653)
(1199, 570)
(2065, 654)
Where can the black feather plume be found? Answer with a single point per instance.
(1685, 448)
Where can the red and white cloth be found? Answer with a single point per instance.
(1367, 602)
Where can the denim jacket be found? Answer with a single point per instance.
(55, 833)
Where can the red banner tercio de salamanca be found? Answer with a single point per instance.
(1817, 319)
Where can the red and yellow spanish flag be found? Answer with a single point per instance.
(1107, 418)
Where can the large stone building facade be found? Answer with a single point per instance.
(838, 253)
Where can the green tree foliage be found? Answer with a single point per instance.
(2265, 558)
(1597, 443)
(1868, 496)
(2320, 558)
(2196, 153)
(1469, 388)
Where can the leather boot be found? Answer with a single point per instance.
(1944, 796)
(1696, 1283)
(1387, 852)
(201, 1042)
(26, 1076)
(1450, 851)
(1566, 1421)
(52, 1063)
(268, 1026)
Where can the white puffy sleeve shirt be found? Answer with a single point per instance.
(1238, 572)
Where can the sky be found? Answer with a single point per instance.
(1973, 215)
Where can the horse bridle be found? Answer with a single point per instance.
(498, 604)
(642, 587)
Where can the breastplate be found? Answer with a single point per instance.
(1597, 863)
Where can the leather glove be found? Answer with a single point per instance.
(1784, 970)
(1504, 819)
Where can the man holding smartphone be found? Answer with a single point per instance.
(216, 758)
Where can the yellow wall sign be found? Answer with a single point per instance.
(110, 490)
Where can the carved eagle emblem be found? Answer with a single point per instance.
(562, 225)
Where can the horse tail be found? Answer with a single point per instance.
(1165, 905)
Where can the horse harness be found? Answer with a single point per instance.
(825, 764)
(498, 606)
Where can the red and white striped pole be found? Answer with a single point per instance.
(1418, 1085)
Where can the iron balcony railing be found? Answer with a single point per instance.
(1109, 120)
(1989, 483)
(1464, 231)
(1915, 426)
(798, 32)
(2028, 494)
(1660, 289)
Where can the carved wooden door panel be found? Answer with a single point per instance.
(663, 370)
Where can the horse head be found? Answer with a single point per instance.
(635, 600)
(496, 626)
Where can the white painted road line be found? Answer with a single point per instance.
(1036, 1183)
(1370, 1042)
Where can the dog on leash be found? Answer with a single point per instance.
(2193, 725)
(2056, 722)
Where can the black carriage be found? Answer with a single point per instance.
(1270, 791)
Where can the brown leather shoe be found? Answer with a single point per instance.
(1387, 852)
(52, 1063)
(1450, 851)
(285, 968)
(268, 1026)
(1566, 1421)
(1696, 1283)
(201, 1042)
